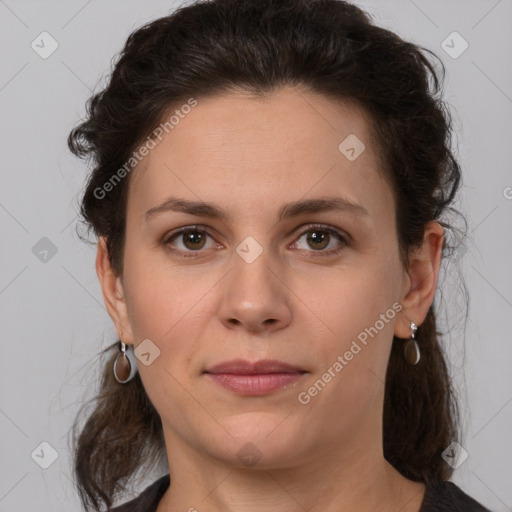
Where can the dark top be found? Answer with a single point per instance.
(440, 496)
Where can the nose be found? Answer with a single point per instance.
(255, 297)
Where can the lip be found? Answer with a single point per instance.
(265, 366)
(257, 378)
(254, 385)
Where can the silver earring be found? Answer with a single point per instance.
(411, 349)
(125, 366)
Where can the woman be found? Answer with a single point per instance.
(268, 185)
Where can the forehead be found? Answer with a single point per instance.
(233, 147)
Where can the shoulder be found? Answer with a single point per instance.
(444, 496)
(147, 500)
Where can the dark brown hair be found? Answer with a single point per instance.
(326, 46)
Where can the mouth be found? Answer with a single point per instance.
(265, 366)
(257, 378)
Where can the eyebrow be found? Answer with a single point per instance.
(289, 210)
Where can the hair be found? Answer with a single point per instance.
(330, 47)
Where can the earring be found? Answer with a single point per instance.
(125, 366)
(411, 349)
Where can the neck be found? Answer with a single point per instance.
(355, 478)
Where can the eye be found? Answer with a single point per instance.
(194, 240)
(191, 238)
(319, 237)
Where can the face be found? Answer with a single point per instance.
(317, 288)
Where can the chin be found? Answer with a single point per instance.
(258, 440)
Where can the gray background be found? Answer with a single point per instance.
(52, 315)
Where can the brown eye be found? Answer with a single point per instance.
(193, 239)
(319, 238)
(187, 240)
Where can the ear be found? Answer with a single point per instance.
(421, 280)
(113, 293)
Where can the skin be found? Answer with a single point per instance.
(251, 156)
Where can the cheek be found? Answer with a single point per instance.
(359, 307)
(355, 300)
(352, 358)
(161, 301)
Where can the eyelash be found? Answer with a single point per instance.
(311, 227)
